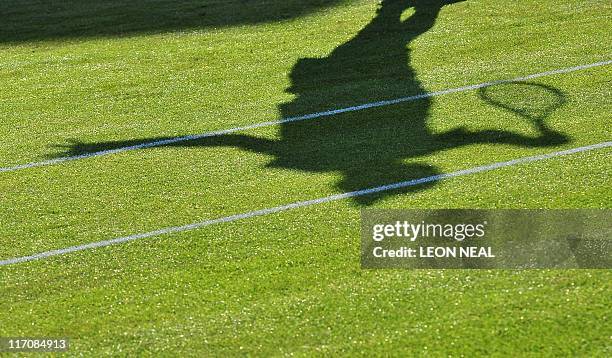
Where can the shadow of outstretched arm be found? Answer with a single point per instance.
(249, 143)
(460, 137)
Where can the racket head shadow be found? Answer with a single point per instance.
(532, 101)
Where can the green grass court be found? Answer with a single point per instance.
(82, 77)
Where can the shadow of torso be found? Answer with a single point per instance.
(366, 148)
(372, 147)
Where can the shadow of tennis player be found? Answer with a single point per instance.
(368, 148)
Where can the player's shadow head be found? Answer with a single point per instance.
(33, 20)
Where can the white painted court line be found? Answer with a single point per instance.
(299, 118)
(262, 212)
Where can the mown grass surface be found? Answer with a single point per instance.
(291, 282)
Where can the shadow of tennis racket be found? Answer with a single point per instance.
(533, 102)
